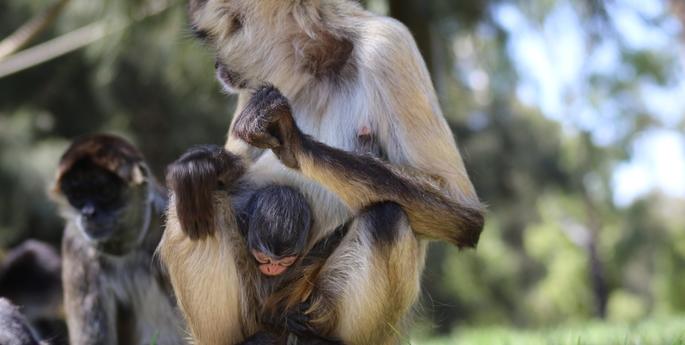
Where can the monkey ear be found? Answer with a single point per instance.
(138, 174)
(320, 50)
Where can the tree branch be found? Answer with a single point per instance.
(27, 32)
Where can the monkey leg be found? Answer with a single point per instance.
(367, 287)
(205, 277)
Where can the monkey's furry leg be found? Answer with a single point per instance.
(369, 284)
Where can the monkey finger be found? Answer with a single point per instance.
(298, 324)
(287, 157)
(262, 140)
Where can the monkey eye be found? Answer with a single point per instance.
(288, 261)
(260, 257)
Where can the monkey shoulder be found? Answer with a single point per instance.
(386, 38)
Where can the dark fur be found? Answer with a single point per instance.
(328, 55)
(110, 275)
(193, 178)
(30, 275)
(277, 220)
(107, 151)
(383, 221)
(277, 133)
(14, 329)
(270, 125)
(393, 185)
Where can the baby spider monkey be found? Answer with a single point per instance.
(276, 223)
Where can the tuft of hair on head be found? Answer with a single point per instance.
(193, 178)
(279, 221)
(107, 151)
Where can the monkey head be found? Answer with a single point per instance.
(103, 188)
(278, 220)
(281, 42)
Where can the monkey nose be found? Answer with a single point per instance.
(272, 269)
(88, 210)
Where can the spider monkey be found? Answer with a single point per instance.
(272, 230)
(353, 122)
(276, 225)
(114, 291)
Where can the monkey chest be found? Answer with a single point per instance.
(357, 134)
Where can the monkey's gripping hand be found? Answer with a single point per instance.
(267, 122)
(194, 178)
(296, 320)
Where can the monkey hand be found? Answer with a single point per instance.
(267, 122)
(194, 178)
(294, 320)
(297, 321)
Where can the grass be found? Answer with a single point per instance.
(667, 331)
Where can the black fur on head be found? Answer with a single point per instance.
(193, 178)
(87, 182)
(279, 219)
(106, 182)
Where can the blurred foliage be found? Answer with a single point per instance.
(556, 249)
(652, 332)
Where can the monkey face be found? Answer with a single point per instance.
(271, 266)
(253, 40)
(275, 252)
(110, 212)
(278, 227)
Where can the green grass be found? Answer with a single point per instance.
(668, 331)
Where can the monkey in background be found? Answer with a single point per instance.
(14, 328)
(270, 237)
(31, 277)
(114, 291)
(353, 122)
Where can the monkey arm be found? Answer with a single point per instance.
(425, 173)
(235, 145)
(361, 180)
(441, 206)
(90, 310)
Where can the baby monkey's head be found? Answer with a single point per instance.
(278, 222)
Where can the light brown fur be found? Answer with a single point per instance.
(367, 288)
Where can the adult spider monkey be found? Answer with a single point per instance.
(357, 128)
(114, 290)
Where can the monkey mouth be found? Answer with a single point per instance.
(272, 270)
(98, 232)
(229, 79)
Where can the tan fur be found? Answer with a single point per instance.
(206, 280)
(365, 292)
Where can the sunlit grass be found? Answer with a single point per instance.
(667, 331)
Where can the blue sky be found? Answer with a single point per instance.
(553, 59)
